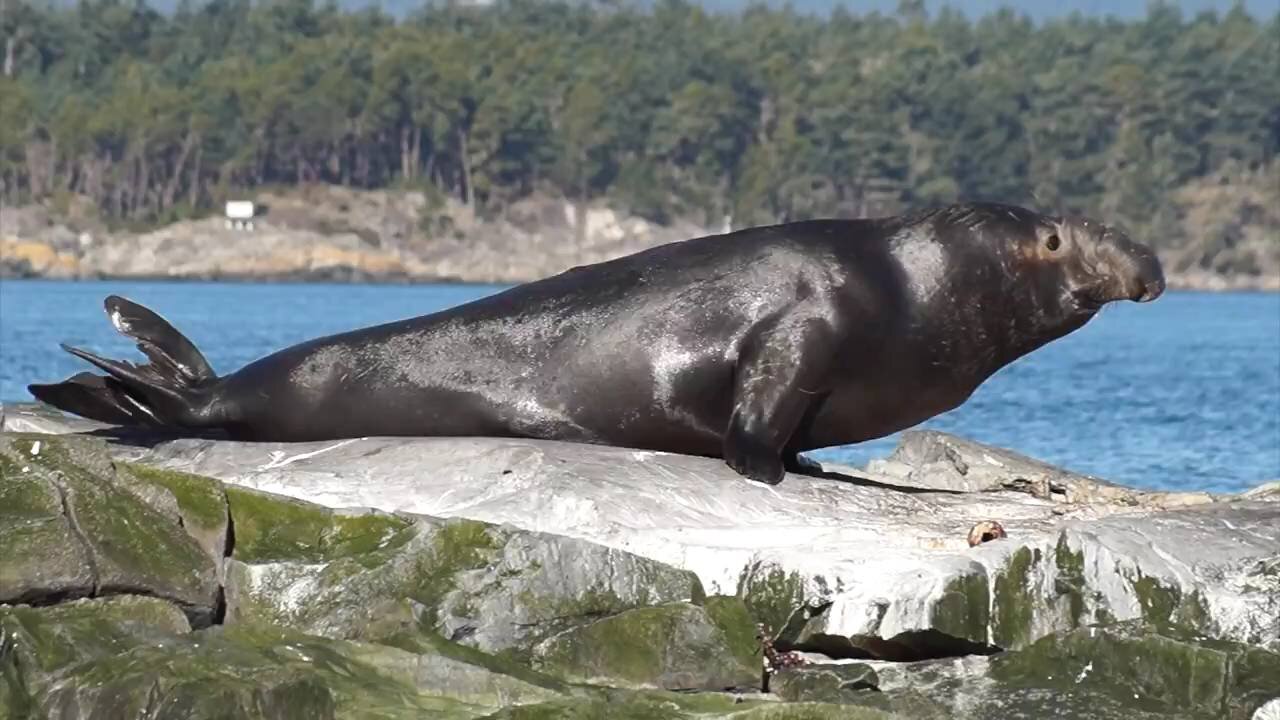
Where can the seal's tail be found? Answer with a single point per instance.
(170, 390)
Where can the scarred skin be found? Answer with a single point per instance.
(752, 346)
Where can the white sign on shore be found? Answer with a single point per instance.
(240, 214)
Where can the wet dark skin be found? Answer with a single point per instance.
(751, 346)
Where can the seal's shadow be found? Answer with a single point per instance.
(149, 438)
(870, 482)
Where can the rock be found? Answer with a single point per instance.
(199, 503)
(852, 683)
(473, 577)
(438, 667)
(1119, 671)
(336, 574)
(938, 460)
(1154, 668)
(887, 552)
(41, 418)
(49, 639)
(71, 530)
(40, 552)
(673, 646)
(133, 656)
(1265, 491)
(638, 705)
(223, 673)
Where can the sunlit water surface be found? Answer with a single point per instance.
(1182, 393)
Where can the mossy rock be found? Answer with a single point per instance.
(38, 642)
(235, 674)
(616, 704)
(730, 614)
(40, 553)
(851, 683)
(274, 528)
(440, 668)
(672, 646)
(1149, 668)
(128, 545)
(495, 589)
(1014, 601)
(963, 610)
(201, 503)
(48, 639)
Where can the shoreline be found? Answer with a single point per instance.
(1221, 284)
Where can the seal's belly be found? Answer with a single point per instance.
(878, 407)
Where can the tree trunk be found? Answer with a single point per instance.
(193, 197)
(415, 151)
(10, 47)
(405, 168)
(171, 188)
(464, 156)
(143, 178)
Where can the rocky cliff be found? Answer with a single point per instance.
(330, 233)
(479, 577)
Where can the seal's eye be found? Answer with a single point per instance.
(1053, 242)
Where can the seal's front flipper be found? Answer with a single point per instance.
(778, 378)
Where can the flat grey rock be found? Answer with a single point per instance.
(890, 556)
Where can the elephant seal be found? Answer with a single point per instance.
(751, 346)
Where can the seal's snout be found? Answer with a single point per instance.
(1145, 279)
(1151, 290)
(1135, 270)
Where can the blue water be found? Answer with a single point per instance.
(1182, 393)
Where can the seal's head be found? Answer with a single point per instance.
(1091, 264)
(1030, 278)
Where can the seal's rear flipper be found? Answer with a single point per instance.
(94, 397)
(170, 352)
(170, 390)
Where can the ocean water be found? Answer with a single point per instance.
(1182, 393)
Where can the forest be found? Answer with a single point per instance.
(665, 111)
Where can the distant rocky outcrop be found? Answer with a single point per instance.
(482, 577)
(333, 233)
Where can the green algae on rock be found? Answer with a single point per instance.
(674, 646)
(613, 704)
(491, 588)
(57, 636)
(126, 545)
(1149, 667)
(272, 528)
(730, 614)
(837, 683)
(1013, 604)
(439, 668)
(225, 673)
(962, 611)
(201, 504)
(40, 553)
